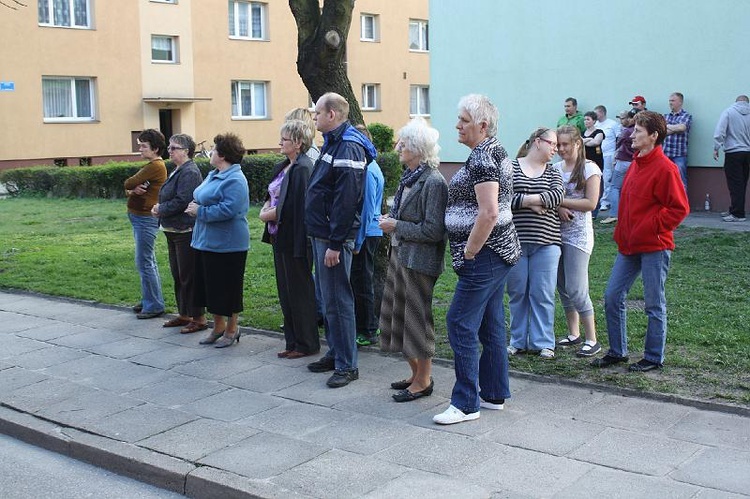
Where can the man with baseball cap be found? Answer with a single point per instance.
(638, 102)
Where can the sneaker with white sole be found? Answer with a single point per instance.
(732, 218)
(453, 415)
(494, 405)
(547, 353)
(514, 351)
(725, 213)
(589, 350)
(609, 220)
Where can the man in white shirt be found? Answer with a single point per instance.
(610, 128)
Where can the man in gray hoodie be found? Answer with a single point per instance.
(733, 134)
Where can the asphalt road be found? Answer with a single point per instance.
(29, 472)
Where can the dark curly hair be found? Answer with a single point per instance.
(155, 140)
(229, 146)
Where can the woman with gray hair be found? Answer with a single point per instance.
(174, 197)
(417, 228)
(284, 215)
(484, 247)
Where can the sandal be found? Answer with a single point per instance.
(193, 327)
(569, 342)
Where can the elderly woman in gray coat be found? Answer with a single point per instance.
(417, 228)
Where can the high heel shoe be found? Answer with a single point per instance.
(211, 338)
(228, 341)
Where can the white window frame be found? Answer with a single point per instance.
(164, 1)
(417, 106)
(235, 6)
(175, 49)
(74, 96)
(375, 36)
(256, 101)
(48, 8)
(370, 97)
(423, 35)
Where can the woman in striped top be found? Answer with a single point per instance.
(537, 192)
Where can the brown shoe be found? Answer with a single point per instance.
(177, 321)
(193, 327)
(297, 355)
(284, 354)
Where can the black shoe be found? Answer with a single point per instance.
(406, 396)
(342, 378)
(149, 315)
(608, 360)
(643, 366)
(401, 385)
(323, 364)
(138, 308)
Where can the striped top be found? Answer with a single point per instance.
(533, 227)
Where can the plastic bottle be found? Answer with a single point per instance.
(707, 204)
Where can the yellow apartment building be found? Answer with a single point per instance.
(80, 78)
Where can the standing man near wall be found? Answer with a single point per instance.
(332, 217)
(638, 102)
(610, 128)
(733, 134)
(678, 128)
(572, 115)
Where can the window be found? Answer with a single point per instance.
(163, 48)
(369, 28)
(248, 99)
(418, 36)
(68, 99)
(247, 20)
(164, 1)
(370, 97)
(419, 100)
(65, 13)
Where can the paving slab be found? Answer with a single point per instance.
(16, 345)
(170, 356)
(263, 455)
(636, 452)
(46, 357)
(634, 414)
(86, 406)
(616, 484)
(422, 485)
(713, 428)
(138, 423)
(126, 348)
(16, 377)
(338, 474)
(294, 419)
(87, 338)
(48, 329)
(226, 370)
(232, 404)
(41, 395)
(176, 390)
(266, 378)
(722, 469)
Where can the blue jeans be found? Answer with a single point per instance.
(531, 288)
(337, 300)
(145, 229)
(477, 315)
(618, 175)
(653, 268)
(681, 162)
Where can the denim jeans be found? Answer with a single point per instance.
(337, 300)
(681, 162)
(476, 315)
(145, 229)
(621, 168)
(653, 268)
(531, 288)
(607, 172)
(363, 270)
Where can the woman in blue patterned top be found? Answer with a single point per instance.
(484, 246)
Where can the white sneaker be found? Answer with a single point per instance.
(604, 207)
(732, 218)
(547, 353)
(489, 405)
(454, 415)
(513, 350)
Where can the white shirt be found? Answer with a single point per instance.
(609, 127)
(578, 232)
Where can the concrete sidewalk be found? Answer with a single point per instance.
(147, 402)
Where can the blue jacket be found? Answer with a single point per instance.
(371, 204)
(334, 194)
(221, 223)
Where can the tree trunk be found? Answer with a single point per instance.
(321, 49)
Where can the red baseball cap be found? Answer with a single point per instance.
(637, 98)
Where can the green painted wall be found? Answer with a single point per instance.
(528, 56)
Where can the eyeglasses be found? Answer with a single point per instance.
(553, 144)
(175, 148)
(284, 139)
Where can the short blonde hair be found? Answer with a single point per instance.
(298, 131)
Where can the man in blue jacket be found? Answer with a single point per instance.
(332, 216)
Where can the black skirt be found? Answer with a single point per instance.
(219, 281)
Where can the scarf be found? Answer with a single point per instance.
(408, 179)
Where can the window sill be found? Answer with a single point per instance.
(173, 63)
(68, 121)
(419, 115)
(247, 39)
(419, 51)
(370, 40)
(250, 118)
(90, 28)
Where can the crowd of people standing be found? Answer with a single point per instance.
(520, 225)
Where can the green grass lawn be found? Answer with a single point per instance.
(84, 249)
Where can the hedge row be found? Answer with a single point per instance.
(106, 181)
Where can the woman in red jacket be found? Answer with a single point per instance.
(652, 205)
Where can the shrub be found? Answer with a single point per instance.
(382, 136)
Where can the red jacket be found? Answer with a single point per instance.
(652, 204)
